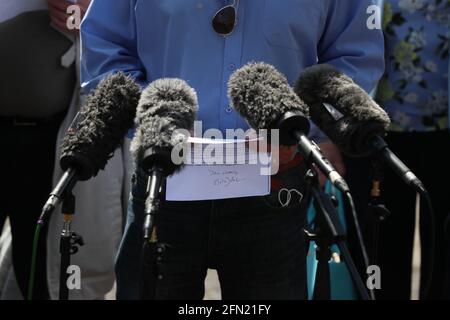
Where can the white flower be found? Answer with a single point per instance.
(443, 18)
(431, 66)
(402, 118)
(411, 72)
(438, 102)
(411, 97)
(417, 39)
(411, 5)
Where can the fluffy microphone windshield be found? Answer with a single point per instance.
(262, 95)
(361, 117)
(104, 120)
(166, 105)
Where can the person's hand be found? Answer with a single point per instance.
(332, 153)
(59, 15)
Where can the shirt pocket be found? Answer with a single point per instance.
(292, 24)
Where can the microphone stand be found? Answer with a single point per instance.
(329, 231)
(69, 242)
(63, 188)
(377, 209)
(157, 164)
(152, 250)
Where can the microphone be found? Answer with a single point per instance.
(350, 117)
(166, 107)
(95, 133)
(263, 96)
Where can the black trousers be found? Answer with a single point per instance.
(427, 155)
(26, 164)
(257, 247)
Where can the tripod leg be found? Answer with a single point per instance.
(353, 271)
(65, 263)
(148, 272)
(322, 287)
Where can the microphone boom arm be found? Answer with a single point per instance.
(152, 202)
(312, 153)
(397, 165)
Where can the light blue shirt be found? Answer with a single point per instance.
(152, 39)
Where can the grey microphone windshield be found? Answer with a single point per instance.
(166, 105)
(100, 126)
(358, 118)
(263, 96)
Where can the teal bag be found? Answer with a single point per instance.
(341, 283)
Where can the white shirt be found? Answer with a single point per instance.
(11, 8)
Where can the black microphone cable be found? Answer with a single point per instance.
(31, 281)
(360, 237)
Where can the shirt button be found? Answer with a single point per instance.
(228, 110)
(231, 66)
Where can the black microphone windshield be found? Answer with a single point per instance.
(103, 122)
(262, 95)
(360, 118)
(166, 105)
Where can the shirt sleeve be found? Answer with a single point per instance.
(348, 44)
(108, 42)
(351, 43)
